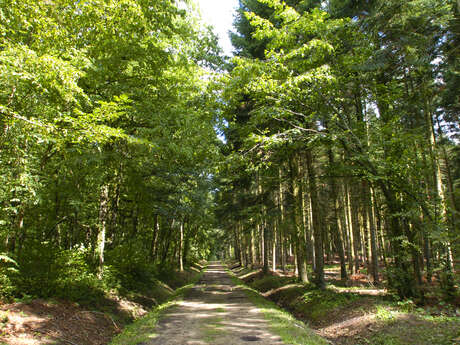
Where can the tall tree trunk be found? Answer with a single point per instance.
(341, 244)
(274, 241)
(188, 235)
(181, 246)
(237, 245)
(317, 221)
(310, 236)
(355, 228)
(297, 219)
(351, 247)
(153, 245)
(281, 221)
(373, 235)
(427, 254)
(252, 249)
(103, 217)
(265, 268)
(336, 232)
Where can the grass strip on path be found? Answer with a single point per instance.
(291, 330)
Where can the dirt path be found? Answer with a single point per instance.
(217, 312)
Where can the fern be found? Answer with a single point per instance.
(7, 259)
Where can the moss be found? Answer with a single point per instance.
(315, 303)
(269, 282)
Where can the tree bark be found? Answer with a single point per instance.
(373, 235)
(317, 221)
(336, 232)
(103, 215)
(181, 246)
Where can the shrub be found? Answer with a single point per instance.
(46, 271)
(128, 268)
(74, 279)
(8, 267)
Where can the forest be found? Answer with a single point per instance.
(132, 150)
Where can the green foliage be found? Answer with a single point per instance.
(73, 278)
(7, 260)
(8, 268)
(402, 327)
(45, 272)
(128, 268)
(399, 280)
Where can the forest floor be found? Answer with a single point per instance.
(218, 311)
(62, 322)
(359, 313)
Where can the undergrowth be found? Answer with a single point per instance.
(43, 272)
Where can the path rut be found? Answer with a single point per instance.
(215, 311)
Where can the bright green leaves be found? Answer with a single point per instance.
(46, 75)
(265, 28)
(283, 12)
(295, 30)
(314, 49)
(320, 76)
(44, 91)
(97, 126)
(37, 90)
(288, 85)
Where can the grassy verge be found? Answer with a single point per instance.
(290, 330)
(398, 325)
(144, 329)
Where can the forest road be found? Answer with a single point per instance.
(215, 311)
